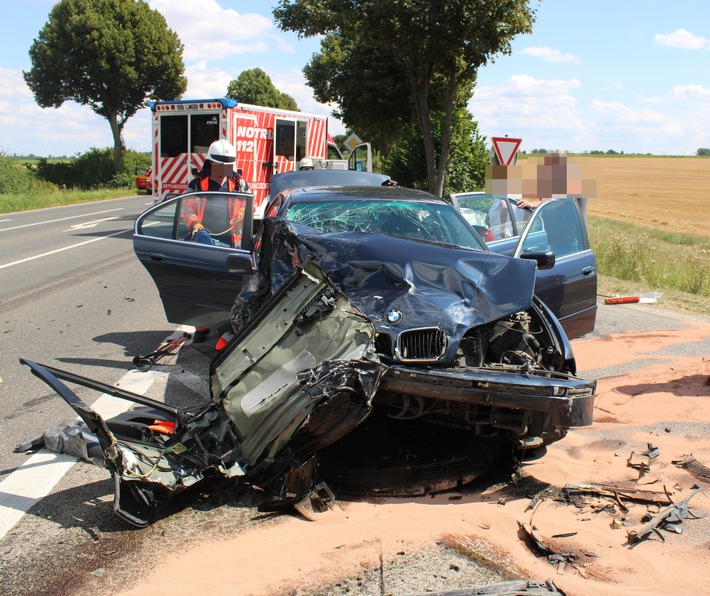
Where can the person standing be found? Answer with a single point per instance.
(218, 174)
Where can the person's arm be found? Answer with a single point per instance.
(192, 214)
(525, 204)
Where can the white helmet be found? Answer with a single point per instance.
(306, 163)
(222, 152)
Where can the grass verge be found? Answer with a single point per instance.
(12, 203)
(633, 259)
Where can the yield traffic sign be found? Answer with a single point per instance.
(506, 149)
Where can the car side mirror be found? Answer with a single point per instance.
(545, 260)
(240, 264)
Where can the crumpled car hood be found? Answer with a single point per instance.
(429, 284)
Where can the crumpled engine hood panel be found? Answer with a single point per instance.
(431, 285)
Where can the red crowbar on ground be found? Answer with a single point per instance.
(646, 297)
(165, 349)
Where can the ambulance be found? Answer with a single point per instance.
(267, 140)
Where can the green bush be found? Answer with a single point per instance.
(93, 170)
(17, 177)
(131, 160)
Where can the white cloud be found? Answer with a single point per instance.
(211, 32)
(682, 39)
(637, 121)
(547, 54)
(67, 130)
(538, 111)
(206, 83)
(690, 92)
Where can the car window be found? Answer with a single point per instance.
(221, 215)
(556, 228)
(161, 222)
(493, 218)
(433, 222)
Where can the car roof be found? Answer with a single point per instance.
(303, 178)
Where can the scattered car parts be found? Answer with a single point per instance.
(669, 519)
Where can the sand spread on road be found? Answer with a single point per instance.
(651, 406)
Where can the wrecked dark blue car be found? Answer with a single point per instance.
(376, 338)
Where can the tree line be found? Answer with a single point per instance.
(400, 71)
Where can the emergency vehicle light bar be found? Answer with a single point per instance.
(192, 104)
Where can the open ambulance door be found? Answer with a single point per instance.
(290, 136)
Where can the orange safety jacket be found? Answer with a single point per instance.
(194, 208)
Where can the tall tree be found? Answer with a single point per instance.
(469, 155)
(112, 55)
(367, 86)
(428, 38)
(255, 87)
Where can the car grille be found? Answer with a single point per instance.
(383, 344)
(422, 344)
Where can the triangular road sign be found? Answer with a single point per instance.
(506, 149)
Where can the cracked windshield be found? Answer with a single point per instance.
(404, 219)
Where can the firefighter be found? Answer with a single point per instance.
(217, 175)
(306, 164)
(218, 172)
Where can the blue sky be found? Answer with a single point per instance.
(627, 75)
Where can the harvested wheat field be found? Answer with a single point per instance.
(670, 193)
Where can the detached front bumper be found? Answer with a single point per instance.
(564, 400)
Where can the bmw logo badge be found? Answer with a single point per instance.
(394, 316)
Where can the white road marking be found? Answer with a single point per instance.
(52, 252)
(28, 484)
(49, 221)
(35, 479)
(89, 224)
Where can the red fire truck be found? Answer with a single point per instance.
(267, 140)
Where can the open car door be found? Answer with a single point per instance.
(199, 275)
(360, 159)
(569, 288)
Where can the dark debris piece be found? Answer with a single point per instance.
(700, 471)
(669, 519)
(560, 559)
(509, 588)
(642, 461)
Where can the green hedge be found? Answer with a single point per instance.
(92, 170)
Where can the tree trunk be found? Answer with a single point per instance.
(116, 131)
(420, 92)
(445, 139)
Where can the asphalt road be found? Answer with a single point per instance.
(72, 295)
